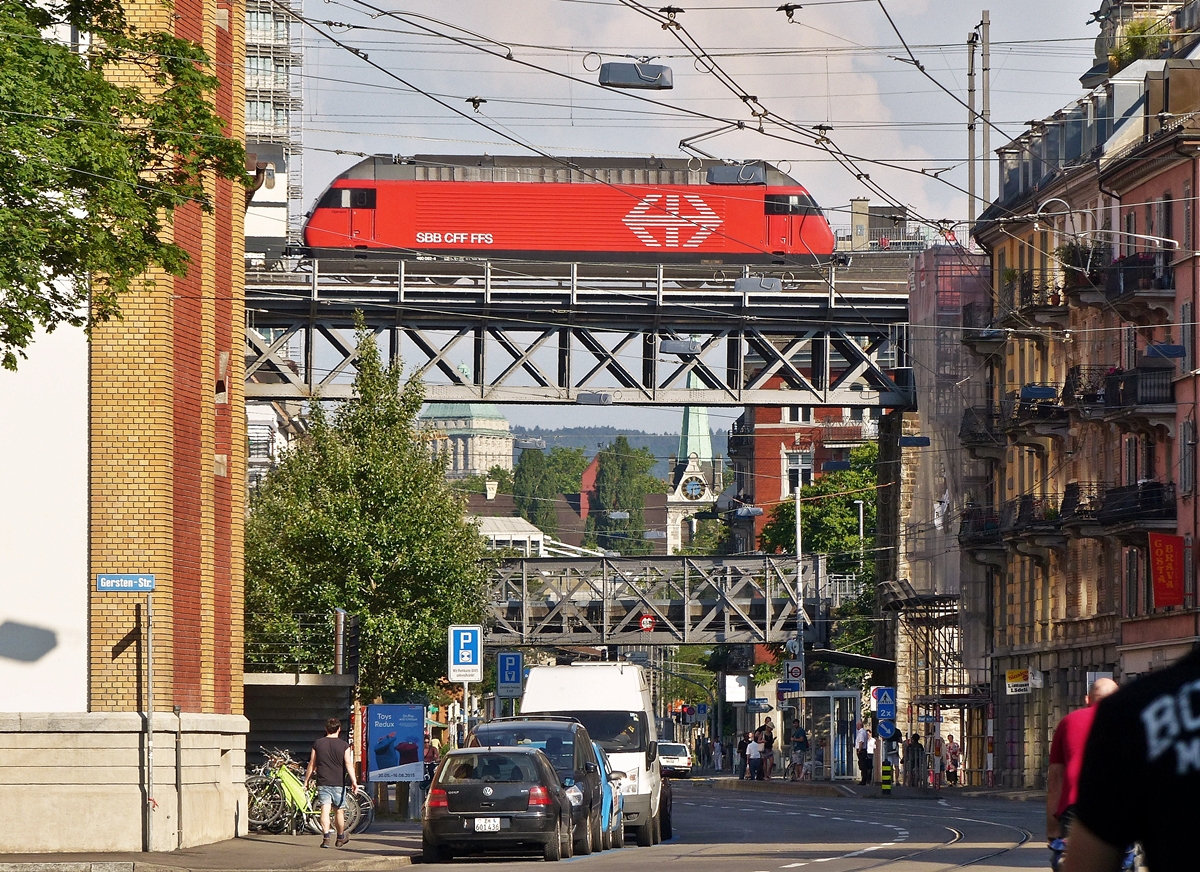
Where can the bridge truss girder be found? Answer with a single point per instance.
(535, 340)
(549, 601)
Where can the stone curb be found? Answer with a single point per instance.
(787, 788)
(364, 864)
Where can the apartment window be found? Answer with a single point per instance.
(1151, 225)
(1187, 338)
(1188, 236)
(1130, 347)
(1131, 460)
(1166, 224)
(1132, 582)
(1187, 457)
(799, 470)
(797, 414)
(1130, 237)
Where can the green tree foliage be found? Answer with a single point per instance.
(92, 169)
(622, 482)
(359, 516)
(712, 539)
(829, 525)
(566, 466)
(477, 484)
(534, 492)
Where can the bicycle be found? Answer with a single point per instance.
(279, 802)
(789, 771)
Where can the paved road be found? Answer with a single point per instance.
(740, 831)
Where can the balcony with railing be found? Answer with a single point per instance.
(981, 433)
(1033, 413)
(1084, 389)
(979, 529)
(1080, 509)
(978, 332)
(1140, 398)
(1031, 298)
(1135, 509)
(1138, 284)
(740, 437)
(1031, 523)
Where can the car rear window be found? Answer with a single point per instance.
(617, 732)
(557, 743)
(472, 768)
(672, 750)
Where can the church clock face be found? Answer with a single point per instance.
(693, 487)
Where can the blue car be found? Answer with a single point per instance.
(612, 813)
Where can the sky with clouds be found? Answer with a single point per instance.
(836, 65)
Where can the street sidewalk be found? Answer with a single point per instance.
(388, 846)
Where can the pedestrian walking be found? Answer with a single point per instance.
(860, 748)
(799, 749)
(743, 760)
(1141, 774)
(768, 748)
(872, 744)
(718, 751)
(1066, 763)
(332, 762)
(953, 757)
(936, 750)
(754, 756)
(914, 761)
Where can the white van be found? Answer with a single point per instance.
(612, 700)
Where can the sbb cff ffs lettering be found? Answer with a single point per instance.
(454, 238)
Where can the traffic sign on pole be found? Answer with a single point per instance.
(886, 704)
(509, 670)
(887, 729)
(793, 670)
(466, 654)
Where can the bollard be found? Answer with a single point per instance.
(885, 779)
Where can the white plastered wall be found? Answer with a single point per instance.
(43, 527)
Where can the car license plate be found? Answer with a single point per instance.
(487, 825)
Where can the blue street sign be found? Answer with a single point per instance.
(887, 729)
(466, 654)
(509, 669)
(138, 583)
(759, 705)
(886, 704)
(702, 710)
(787, 687)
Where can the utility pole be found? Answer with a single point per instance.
(985, 28)
(972, 40)
(802, 616)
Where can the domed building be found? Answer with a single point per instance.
(472, 437)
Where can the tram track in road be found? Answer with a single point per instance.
(966, 828)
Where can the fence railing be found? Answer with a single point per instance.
(1081, 501)
(1144, 501)
(1143, 271)
(1139, 387)
(981, 425)
(297, 642)
(980, 525)
(1085, 385)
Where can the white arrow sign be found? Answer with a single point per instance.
(670, 219)
(887, 696)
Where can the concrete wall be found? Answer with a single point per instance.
(43, 527)
(93, 764)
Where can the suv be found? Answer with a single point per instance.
(568, 746)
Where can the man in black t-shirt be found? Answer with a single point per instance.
(1141, 775)
(333, 763)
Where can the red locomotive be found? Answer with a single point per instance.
(617, 210)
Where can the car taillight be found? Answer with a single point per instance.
(438, 799)
(538, 796)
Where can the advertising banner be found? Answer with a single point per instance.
(1016, 681)
(395, 743)
(1166, 569)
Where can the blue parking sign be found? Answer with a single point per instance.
(465, 654)
(509, 671)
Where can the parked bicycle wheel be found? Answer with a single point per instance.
(366, 811)
(265, 801)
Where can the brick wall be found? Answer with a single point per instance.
(167, 446)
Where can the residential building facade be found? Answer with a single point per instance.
(1086, 424)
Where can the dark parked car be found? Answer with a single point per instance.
(496, 798)
(568, 746)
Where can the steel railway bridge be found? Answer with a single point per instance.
(579, 333)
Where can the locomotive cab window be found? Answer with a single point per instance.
(791, 204)
(348, 198)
